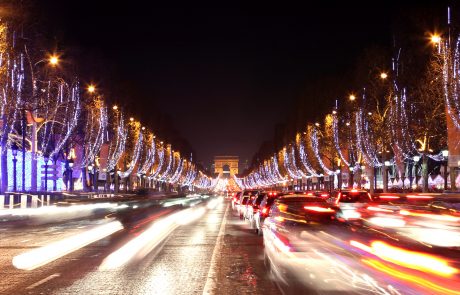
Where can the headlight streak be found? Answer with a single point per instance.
(48, 253)
(411, 259)
(49, 210)
(352, 278)
(387, 221)
(143, 244)
(408, 277)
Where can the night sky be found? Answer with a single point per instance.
(225, 75)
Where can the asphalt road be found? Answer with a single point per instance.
(213, 254)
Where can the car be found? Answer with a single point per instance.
(252, 207)
(321, 194)
(263, 211)
(236, 199)
(308, 251)
(290, 219)
(244, 198)
(350, 201)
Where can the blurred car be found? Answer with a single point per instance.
(350, 201)
(244, 198)
(320, 194)
(307, 251)
(289, 217)
(236, 199)
(253, 206)
(263, 211)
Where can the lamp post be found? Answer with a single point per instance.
(416, 159)
(445, 154)
(350, 179)
(95, 177)
(386, 166)
(14, 151)
(90, 170)
(71, 162)
(363, 173)
(46, 158)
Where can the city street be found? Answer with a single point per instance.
(215, 254)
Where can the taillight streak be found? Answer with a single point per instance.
(319, 209)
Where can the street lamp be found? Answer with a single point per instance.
(14, 151)
(416, 159)
(352, 97)
(95, 176)
(445, 154)
(91, 88)
(53, 60)
(90, 170)
(115, 107)
(383, 76)
(71, 162)
(435, 39)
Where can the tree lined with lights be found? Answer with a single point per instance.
(47, 113)
(386, 126)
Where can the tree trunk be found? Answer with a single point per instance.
(350, 180)
(371, 179)
(116, 181)
(83, 179)
(453, 175)
(384, 173)
(425, 173)
(385, 178)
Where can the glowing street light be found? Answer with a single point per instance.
(91, 88)
(115, 107)
(352, 97)
(435, 39)
(383, 76)
(317, 124)
(131, 119)
(53, 60)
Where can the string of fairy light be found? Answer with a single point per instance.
(354, 143)
(56, 107)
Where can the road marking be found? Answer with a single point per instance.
(211, 278)
(44, 281)
(23, 241)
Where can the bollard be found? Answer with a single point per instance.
(34, 201)
(23, 201)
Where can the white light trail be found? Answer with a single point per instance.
(48, 253)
